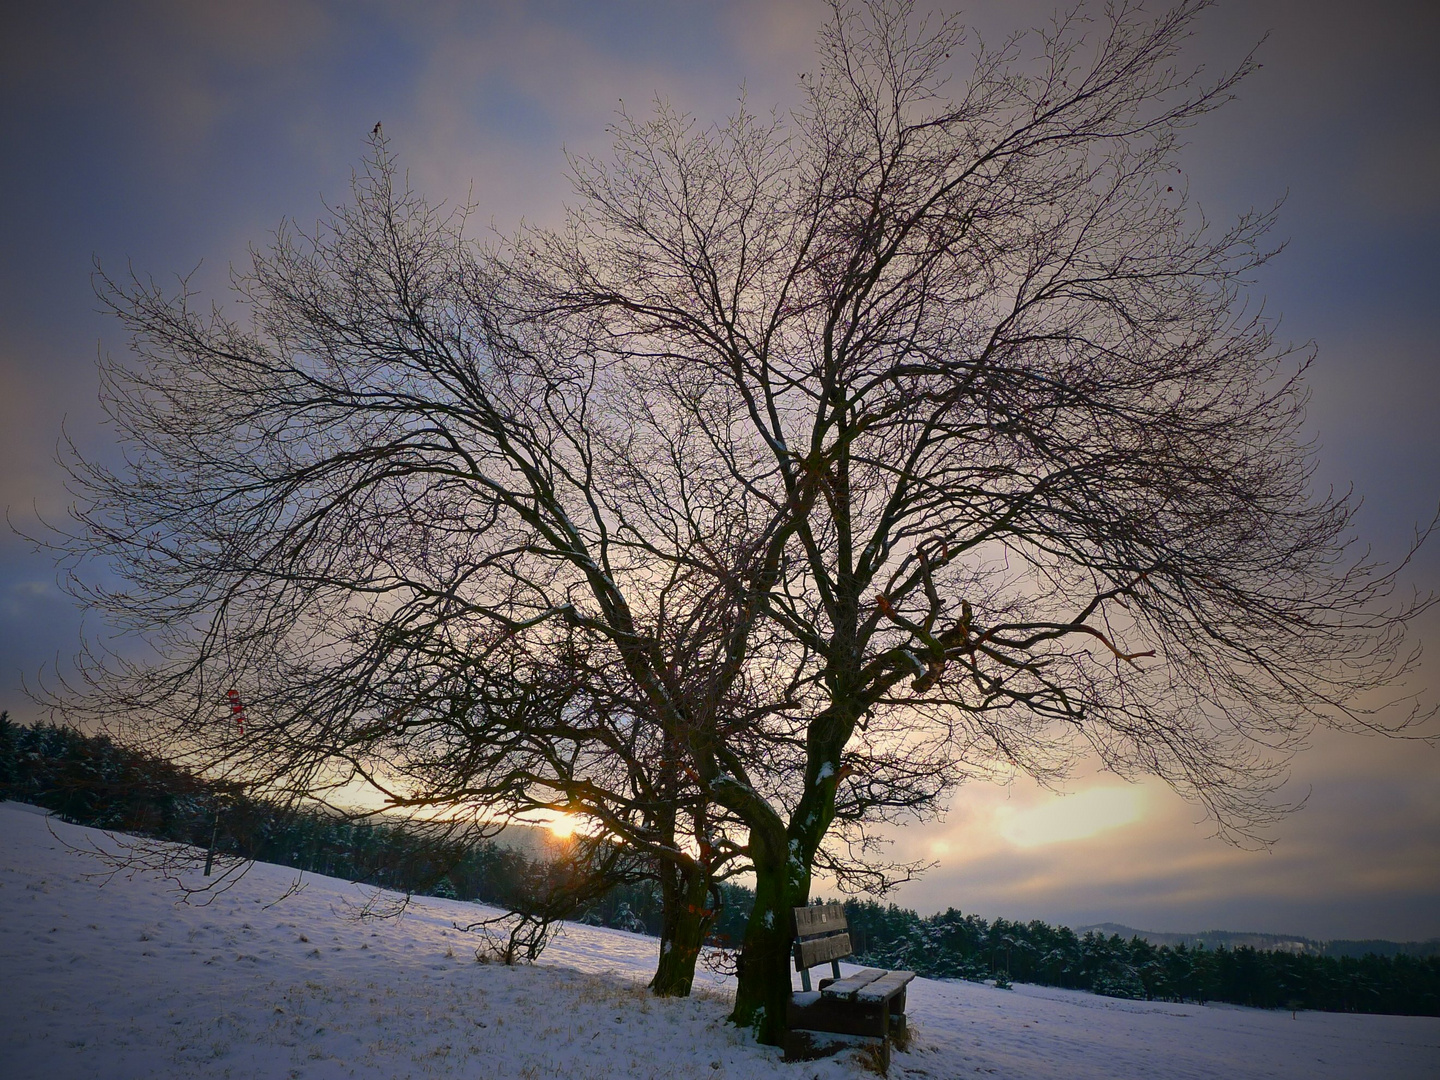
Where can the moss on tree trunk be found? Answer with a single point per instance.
(686, 920)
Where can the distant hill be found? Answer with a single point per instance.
(1293, 943)
(532, 841)
(1211, 939)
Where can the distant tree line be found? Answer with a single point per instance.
(91, 780)
(953, 945)
(1233, 939)
(1358, 947)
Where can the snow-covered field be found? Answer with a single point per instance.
(121, 981)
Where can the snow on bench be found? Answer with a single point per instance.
(867, 1007)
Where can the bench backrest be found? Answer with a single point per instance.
(821, 935)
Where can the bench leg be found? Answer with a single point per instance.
(899, 1032)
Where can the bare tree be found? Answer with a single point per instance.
(1013, 466)
(552, 723)
(401, 525)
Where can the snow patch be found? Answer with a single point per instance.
(240, 990)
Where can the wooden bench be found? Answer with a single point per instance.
(865, 1008)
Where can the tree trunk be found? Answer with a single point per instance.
(685, 920)
(764, 983)
(782, 859)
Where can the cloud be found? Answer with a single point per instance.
(176, 67)
(1361, 859)
(32, 407)
(1075, 817)
(774, 36)
(1342, 112)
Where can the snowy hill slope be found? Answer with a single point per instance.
(121, 982)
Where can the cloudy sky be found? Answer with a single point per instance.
(172, 134)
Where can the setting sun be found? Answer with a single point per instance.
(563, 827)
